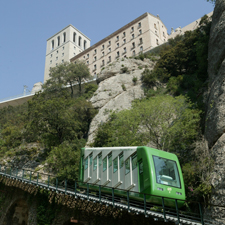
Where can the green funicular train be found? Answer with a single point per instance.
(140, 170)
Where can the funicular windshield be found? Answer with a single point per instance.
(166, 172)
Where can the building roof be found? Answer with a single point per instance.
(70, 25)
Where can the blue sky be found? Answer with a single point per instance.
(25, 25)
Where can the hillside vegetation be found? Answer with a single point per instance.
(168, 117)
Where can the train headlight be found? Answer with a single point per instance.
(178, 193)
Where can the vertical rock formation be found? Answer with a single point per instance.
(215, 116)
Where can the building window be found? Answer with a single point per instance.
(63, 54)
(95, 67)
(79, 41)
(103, 63)
(109, 43)
(155, 26)
(74, 37)
(132, 37)
(124, 41)
(52, 44)
(140, 41)
(109, 49)
(63, 47)
(140, 32)
(117, 54)
(124, 34)
(117, 45)
(124, 50)
(156, 32)
(64, 37)
(95, 51)
(133, 53)
(56, 64)
(88, 56)
(57, 52)
(74, 53)
(95, 58)
(51, 56)
(141, 49)
(109, 59)
(139, 25)
(58, 40)
(132, 29)
(88, 62)
(117, 38)
(85, 44)
(74, 47)
(133, 46)
(50, 61)
(103, 53)
(103, 47)
(62, 60)
(157, 41)
(57, 58)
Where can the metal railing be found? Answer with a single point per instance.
(115, 197)
(16, 96)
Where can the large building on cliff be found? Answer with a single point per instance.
(140, 35)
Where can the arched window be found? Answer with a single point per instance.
(85, 43)
(58, 40)
(52, 44)
(79, 43)
(74, 37)
(64, 37)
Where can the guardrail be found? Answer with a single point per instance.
(93, 192)
(16, 97)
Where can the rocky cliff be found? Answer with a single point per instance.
(215, 122)
(119, 84)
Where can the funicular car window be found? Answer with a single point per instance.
(100, 160)
(91, 156)
(115, 164)
(140, 167)
(166, 172)
(95, 164)
(134, 161)
(127, 165)
(86, 163)
(110, 159)
(121, 160)
(104, 163)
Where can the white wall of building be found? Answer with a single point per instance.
(64, 45)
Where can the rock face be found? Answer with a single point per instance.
(215, 122)
(117, 89)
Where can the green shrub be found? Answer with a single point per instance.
(134, 80)
(123, 87)
(124, 69)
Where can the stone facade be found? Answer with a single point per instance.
(190, 27)
(62, 46)
(140, 35)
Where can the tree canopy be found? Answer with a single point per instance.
(67, 74)
(165, 122)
